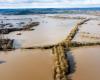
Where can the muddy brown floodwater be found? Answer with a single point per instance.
(87, 63)
(49, 32)
(26, 65)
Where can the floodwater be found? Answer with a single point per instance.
(26, 65)
(91, 26)
(34, 64)
(87, 61)
(88, 32)
(50, 31)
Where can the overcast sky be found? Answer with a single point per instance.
(48, 3)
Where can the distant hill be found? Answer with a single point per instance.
(45, 10)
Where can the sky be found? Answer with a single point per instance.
(48, 3)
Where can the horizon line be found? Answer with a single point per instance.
(48, 7)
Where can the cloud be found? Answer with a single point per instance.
(48, 3)
(57, 1)
(7, 1)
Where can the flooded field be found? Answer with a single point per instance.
(50, 31)
(88, 32)
(87, 61)
(41, 64)
(34, 64)
(26, 65)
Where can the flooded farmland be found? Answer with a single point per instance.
(50, 32)
(26, 65)
(88, 32)
(29, 59)
(87, 63)
(22, 64)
